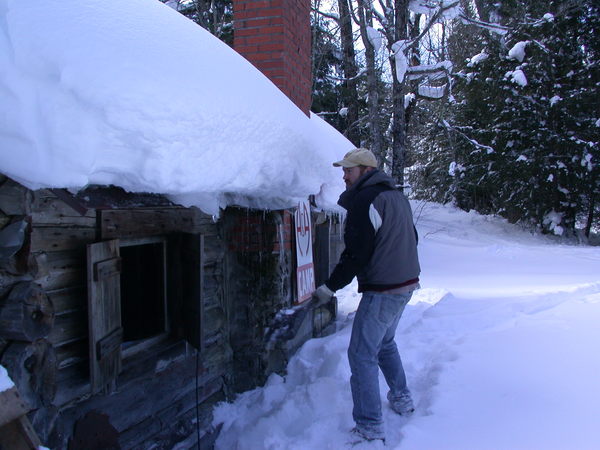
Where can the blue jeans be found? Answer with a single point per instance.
(372, 347)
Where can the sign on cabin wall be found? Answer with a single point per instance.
(305, 273)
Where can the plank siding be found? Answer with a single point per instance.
(47, 209)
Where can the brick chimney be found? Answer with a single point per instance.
(275, 36)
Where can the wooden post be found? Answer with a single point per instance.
(27, 313)
(16, 433)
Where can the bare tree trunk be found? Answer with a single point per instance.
(591, 207)
(375, 134)
(398, 118)
(349, 87)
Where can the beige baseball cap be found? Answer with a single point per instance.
(358, 157)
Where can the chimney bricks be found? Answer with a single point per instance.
(275, 36)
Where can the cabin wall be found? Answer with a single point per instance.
(250, 324)
(154, 400)
(260, 271)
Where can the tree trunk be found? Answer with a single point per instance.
(349, 86)
(591, 207)
(398, 118)
(375, 134)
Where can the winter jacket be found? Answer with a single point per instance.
(380, 238)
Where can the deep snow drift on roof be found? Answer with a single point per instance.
(136, 95)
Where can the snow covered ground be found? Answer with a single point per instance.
(499, 346)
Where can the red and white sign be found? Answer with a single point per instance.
(305, 274)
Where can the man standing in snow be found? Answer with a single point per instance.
(381, 251)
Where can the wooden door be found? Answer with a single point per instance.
(104, 314)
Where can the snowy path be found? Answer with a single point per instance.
(499, 346)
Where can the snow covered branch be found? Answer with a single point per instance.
(437, 14)
(479, 146)
(493, 27)
(329, 15)
(358, 75)
(431, 71)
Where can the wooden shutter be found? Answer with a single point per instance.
(104, 313)
(192, 276)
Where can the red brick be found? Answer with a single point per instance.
(271, 47)
(259, 39)
(246, 32)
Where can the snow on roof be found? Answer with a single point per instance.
(136, 95)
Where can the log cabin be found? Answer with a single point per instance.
(125, 317)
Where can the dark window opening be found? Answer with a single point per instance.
(143, 311)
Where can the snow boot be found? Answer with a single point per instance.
(401, 404)
(359, 436)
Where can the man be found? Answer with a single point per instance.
(381, 251)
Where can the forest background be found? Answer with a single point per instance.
(492, 106)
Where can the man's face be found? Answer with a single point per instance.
(352, 174)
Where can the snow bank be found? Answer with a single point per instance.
(136, 95)
(499, 347)
(5, 382)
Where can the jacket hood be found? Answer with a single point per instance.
(368, 179)
(375, 177)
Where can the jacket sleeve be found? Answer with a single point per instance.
(359, 241)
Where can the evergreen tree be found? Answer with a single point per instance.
(523, 134)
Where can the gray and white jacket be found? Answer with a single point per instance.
(380, 238)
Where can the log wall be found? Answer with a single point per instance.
(155, 399)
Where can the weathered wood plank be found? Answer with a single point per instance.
(60, 238)
(69, 327)
(32, 367)
(71, 353)
(47, 209)
(177, 421)
(68, 299)
(19, 435)
(135, 402)
(57, 270)
(104, 314)
(72, 383)
(151, 361)
(73, 379)
(13, 406)
(27, 313)
(130, 223)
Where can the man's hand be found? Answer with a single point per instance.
(322, 295)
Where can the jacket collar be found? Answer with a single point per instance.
(346, 197)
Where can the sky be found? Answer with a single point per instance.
(499, 346)
(134, 94)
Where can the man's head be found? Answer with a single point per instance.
(355, 164)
